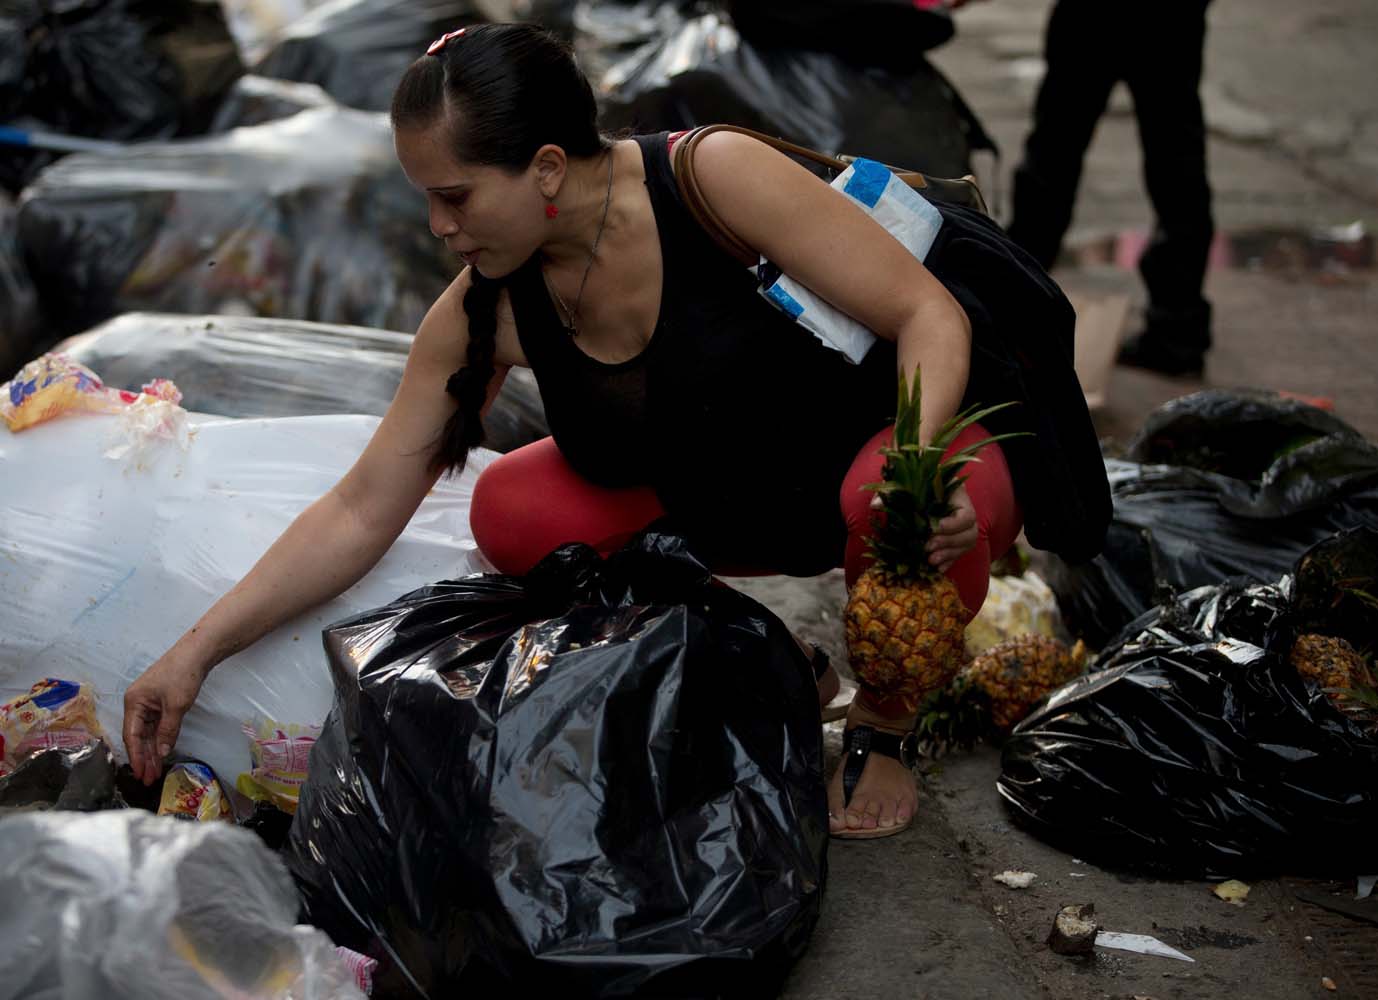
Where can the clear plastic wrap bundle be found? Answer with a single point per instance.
(104, 565)
(247, 366)
(309, 217)
(704, 71)
(256, 100)
(126, 906)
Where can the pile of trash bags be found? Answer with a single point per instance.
(307, 217)
(600, 779)
(1195, 747)
(699, 69)
(1217, 484)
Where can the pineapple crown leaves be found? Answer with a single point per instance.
(957, 716)
(917, 479)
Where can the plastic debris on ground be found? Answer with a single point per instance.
(703, 71)
(1140, 944)
(127, 906)
(280, 754)
(55, 385)
(1219, 484)
(51, 714)
(250, 366)
(602, 778)
(1195, 746)
(110, 70)
(88, 546)
(19, 319)
(309, 217)
(357, 51)
(1016, 880)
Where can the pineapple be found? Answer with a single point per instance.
(904, 621)
(1019, 673)
(1339, 670)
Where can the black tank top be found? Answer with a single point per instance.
(742, 421)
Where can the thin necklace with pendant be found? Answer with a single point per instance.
(571, 323)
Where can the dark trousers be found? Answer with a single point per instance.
(1156, 49)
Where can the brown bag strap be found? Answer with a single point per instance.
(961, 191)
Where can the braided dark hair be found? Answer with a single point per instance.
(504, 90)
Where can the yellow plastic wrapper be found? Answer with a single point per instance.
(280, 756)
(1015, 605)
(54, 713)
(54, 384)
(191, 792)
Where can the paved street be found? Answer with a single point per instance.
(1293, 147)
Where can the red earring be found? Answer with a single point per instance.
(551, 211)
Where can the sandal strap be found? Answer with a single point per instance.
(859, 742)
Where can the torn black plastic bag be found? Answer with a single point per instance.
(1273, 476)
(601, 779)
(110, 69)
(1195, 749)
(358, 51)
(250, 366)
(705, 72)
(309, 217)
(891, 34)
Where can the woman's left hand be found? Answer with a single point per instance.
(955, 534)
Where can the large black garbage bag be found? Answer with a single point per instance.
(111, 69)
(251, 366)
(891, 34)
(357, 51)
(309, 217)
(601, 779)
(1194, 748)
(705, 72)
(19, 320)
(1268, 477)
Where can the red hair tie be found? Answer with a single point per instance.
(441, 42)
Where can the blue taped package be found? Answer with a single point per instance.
(905, 213)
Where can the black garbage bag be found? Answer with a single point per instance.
(251, 366)
(255, 100)
(309, 217)
(601, 779)
(1193, 747)
(1256, 479)
(891, 34)
(357, 51)
(20, 325)
(111, 69)
(704, 72)
(76, 778)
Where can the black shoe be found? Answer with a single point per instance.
(1152, 353)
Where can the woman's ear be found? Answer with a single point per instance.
(549, 166)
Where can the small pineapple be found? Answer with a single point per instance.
(1338, 669)
(1019, 673)
(904, 621)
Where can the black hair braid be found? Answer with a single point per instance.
(469, 386)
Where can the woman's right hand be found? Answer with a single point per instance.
(153, 709)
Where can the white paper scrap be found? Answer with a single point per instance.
(1140, 944)
(1365, 886)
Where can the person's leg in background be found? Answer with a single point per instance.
(1164, 77)
(1080, 50)
(885, 795)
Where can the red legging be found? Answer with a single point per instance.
(531, 500)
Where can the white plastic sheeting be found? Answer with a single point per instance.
(127, 906)
(104, 564)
